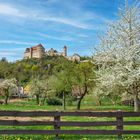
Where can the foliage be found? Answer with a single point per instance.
(40, 89)
(27, 69)
(62, 80)
(34, 73)
(83, 81)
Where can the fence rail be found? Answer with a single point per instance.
(58, 123)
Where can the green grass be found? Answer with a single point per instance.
(89, 104)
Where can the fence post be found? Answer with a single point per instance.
(119, 119)
(56, 121)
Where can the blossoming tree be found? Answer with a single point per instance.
(118, 58)
(8, 87)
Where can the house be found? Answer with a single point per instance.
(75, 57)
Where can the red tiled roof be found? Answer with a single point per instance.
(35, 47)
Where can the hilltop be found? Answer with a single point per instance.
(24, 70)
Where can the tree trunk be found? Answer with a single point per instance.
(64, 101)
(6, 100)
(80, 99)
(99, 102)
(79, 102)
(136, 103)
(43, 101)
(37, 99)
(6, 96)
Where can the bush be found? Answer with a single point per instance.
(128, 102)
(54, 101)
(71, 100)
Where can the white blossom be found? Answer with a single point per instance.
(118, 56)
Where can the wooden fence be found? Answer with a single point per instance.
(57, 123)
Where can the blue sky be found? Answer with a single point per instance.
(54, 23)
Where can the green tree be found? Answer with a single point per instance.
(62, 79)
(83, 81)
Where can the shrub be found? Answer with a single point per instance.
(54, 101)
(128, 102)
(71, 100)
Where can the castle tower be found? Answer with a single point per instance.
(31, 53)
(65, 51)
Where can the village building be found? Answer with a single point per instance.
(75, 57)
(53, 52)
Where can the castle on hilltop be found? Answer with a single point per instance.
(39, 51)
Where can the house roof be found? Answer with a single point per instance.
(35, 47)
(76, 55)
(52, 50)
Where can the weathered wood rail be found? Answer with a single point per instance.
(58, 123)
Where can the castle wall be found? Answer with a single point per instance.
(35, 52)
(27, 55)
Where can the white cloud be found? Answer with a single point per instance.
(66, 21)
(15, 42)
(5, 54)
(11, 52)
(10, 10)
(6, 9)
(77, 18)
(11, 55)
(62, 38)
